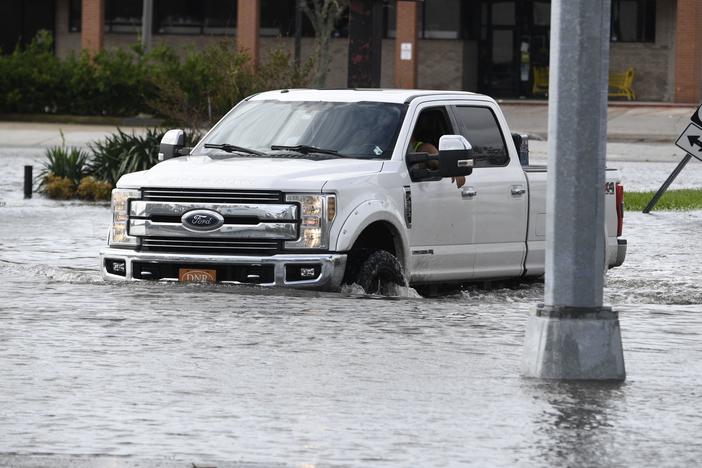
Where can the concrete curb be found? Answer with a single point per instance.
(136, 121)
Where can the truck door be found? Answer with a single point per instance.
(496, 193)
(440, 235)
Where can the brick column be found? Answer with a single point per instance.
(688, 51)
(92, 24)
(247, 27)
(406, 44)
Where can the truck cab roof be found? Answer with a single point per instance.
(398, 96)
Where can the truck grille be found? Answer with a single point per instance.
(209, 246)
(256, 222)
(211, 196)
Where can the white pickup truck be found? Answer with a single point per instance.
(317, 188)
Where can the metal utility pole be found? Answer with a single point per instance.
(572, 335)
(146, 23)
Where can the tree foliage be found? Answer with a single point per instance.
(192, 89)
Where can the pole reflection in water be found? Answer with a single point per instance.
(576, 428)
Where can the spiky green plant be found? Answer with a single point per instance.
(122, 153)
(65, 162)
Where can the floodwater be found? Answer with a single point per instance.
(167, 375)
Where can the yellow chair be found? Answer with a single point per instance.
(621, 85)
(540, 85)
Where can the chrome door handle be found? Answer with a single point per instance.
(468, 192)
(518, 190)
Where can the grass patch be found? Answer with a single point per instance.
(672, 200)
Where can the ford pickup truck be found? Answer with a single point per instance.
(318, 188)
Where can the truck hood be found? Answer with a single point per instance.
(249, 173)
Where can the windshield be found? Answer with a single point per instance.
(351, 129)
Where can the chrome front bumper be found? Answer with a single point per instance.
(330, 277)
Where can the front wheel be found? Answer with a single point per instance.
(380, 273)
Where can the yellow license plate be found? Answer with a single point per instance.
(197, 275)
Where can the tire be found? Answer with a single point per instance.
(379, 273)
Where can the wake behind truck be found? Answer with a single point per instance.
(317, 188)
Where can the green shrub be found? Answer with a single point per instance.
(197, 91)
(279, 72)
(122, 153)
(65, 162)
(59, 188)
(93, 190)
(192, 91)
(112, 82)
(30, 77)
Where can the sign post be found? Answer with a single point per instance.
(690, 140)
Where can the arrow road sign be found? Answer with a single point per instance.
(697, 117)
(694, 141)
(691, 141)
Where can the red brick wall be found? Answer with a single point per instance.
(248, 21)
(92, 25)
(407, 29)
(688, 51)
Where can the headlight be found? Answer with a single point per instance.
(316, 215)
(119, 235)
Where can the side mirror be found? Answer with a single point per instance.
(171, 144)
(455, 156)
(521, 141)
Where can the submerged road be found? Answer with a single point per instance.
(96, 374)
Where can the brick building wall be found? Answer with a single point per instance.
(688, 53)
(453, 64)
(653, 62)
(92, 36)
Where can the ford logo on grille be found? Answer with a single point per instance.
(202, 220)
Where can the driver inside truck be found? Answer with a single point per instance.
(427, 132)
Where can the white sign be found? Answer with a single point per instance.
(406, 51)
(697, 117)
(691, 141)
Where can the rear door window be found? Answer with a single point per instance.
(479, 126)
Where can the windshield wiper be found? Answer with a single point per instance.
(306, 149)
(232, 148)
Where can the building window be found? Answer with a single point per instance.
(120, 15)
(633, 21)
(195, 17)
(123, 15)
(178, 17)
(219, 16)
(74, 16)
(277, 17)
(440, 19)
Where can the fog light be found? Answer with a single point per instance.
(116, 267)
(307, 273)
(304, 272)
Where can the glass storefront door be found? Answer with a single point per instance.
(498, 33)
(514, 38)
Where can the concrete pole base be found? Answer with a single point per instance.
(572, 343)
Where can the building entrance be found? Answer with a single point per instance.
(514, 42)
